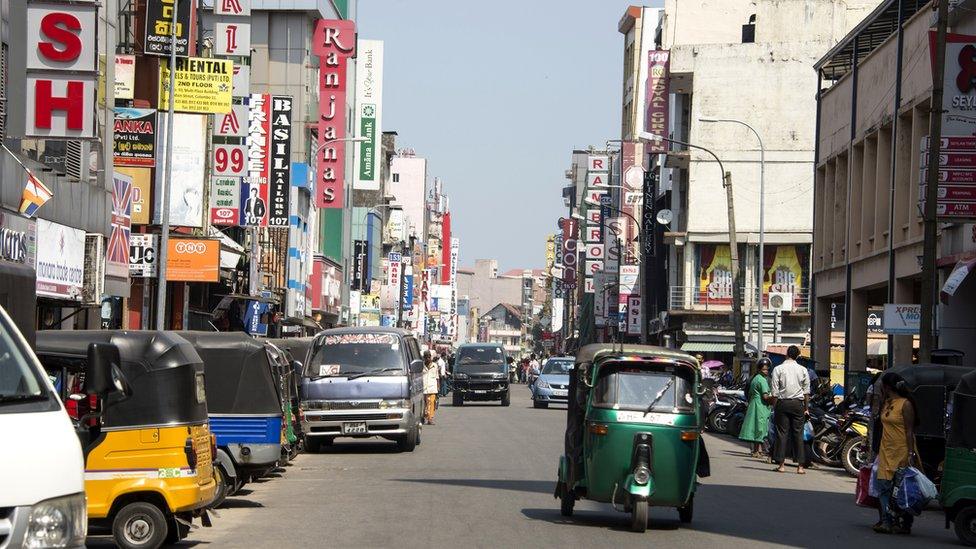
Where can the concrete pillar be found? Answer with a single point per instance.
(901, 353)
(858, 344)
(821, 333)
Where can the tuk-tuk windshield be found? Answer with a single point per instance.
(349, 354)
(630, 388)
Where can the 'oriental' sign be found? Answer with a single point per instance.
(334, 42)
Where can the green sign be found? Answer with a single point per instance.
(367, 129)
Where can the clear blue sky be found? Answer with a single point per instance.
(496, 95)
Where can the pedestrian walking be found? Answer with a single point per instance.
(755, 425)
(791, 389)
(431, 372)
(897, 451)
(442, 373)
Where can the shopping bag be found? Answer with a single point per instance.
(862, 496)
(913, 490)
(873, 486)
(807, 432)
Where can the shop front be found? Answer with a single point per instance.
(18, 280)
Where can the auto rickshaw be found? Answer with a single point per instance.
(296, 349)
(245, 404)
(957, 492)
(148, 449)
(633, 431)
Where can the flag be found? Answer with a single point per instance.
(117, 251)
(36, 194)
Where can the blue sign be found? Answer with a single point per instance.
(253, 318)
(407, 292)
(388, 320)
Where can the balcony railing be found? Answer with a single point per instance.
(692, 298)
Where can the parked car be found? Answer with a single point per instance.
(480, 373)
(363, 382)
(552, 385)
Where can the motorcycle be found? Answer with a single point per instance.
(727, 412)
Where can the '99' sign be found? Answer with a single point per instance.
(61, 77)
(230, 160)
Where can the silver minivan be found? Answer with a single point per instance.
(363, 382)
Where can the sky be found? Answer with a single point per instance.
(496, 95)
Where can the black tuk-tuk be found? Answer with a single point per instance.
(245, 402)
(296, 349)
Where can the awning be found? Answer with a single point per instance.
(705, 347)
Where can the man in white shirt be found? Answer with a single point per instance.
(791, 388)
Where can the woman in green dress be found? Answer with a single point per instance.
(755, 426)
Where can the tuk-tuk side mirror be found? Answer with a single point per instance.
(103, 374)
(298, 367)
(416, 366)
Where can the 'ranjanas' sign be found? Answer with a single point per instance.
(334, 42)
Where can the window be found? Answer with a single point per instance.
(396, 177)
(630, 388)
(749, 30)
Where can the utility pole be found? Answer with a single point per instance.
(167, 175)
(739, 345)
(929, 272)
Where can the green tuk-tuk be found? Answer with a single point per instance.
(633, 431)
(958, 488)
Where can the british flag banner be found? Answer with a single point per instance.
(117, 252)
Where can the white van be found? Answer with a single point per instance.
(42, 485)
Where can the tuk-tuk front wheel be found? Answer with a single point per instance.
(566, 502)
(638, 515)
(139, 525)
(223, 487)
(965, 522)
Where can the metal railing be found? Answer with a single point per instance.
(693, 298)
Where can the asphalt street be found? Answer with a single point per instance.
(484, 475)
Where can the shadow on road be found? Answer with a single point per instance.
(361, 447)
(541, 486)
(238, 503)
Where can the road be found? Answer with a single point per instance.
(483, 477)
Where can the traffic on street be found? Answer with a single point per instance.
(361, 273)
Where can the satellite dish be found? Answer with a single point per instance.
(664, 217)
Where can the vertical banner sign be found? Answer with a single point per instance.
(394, 271)
(360, 271)
(279, 182)
(61, 72)
(334, 42)
(455, 249)
(634, 315)
(368, 123)
(135, 137)
(569, 253)
(117, 249)
(656, 97)
(254, 192)
(648, 214)
(159, 17)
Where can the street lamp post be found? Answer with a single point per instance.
(762, 214)
(739, 345)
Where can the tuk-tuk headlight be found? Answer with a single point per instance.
(57, 522)
(642, 475)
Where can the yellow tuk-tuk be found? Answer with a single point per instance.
(148, 449)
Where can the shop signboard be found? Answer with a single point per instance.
(135, 137)
(125, 76)
(656, 98)
(334, 42)
(232, 38)
(141, 188)
(60, 261)
(634, 315)
(61, 73)
(232, 123)
(279, 169)
(142, 255)
(254, 191)
(241, 81)
(225, 199)
(18, 239)
(902, 319)
(360, 272)
(159, 18)
(240, 8)
(203, 84)
(956, 192)
(187, 180)
(368, 115)
(193, 260)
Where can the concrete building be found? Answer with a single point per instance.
(408, 184)
(503, 324)
(485, 288)
(751, 61)
(867, 229)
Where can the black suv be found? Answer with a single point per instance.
(480, 373)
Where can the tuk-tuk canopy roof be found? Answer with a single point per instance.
(600, 351)
(930, 385)
(297, 346)
(160, 367)
(241, 379)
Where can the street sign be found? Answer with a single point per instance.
(956, 176)
(952, 159)
(951, 176)
(952, 192)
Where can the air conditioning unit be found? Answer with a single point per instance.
(781, 301)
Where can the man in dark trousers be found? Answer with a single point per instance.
(254, 208)
(791, 388)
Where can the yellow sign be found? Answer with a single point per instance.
(141, 186)
(783, 270)
(203, 85)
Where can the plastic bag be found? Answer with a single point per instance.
(862, 492)
(873, 486)
(913, 490)
(807, 432)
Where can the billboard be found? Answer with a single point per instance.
(135, 137)
(203, 85)
(279, 174)
(159, 17)
(193, 260)
(187, 180)
(60, 260)
(714, 265)
(368, 115)
(783, 269)
(656, 98)
(334, 42)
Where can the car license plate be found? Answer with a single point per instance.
(480, 391)
(354, 428)
(559, 392)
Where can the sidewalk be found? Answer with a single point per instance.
(812, 510)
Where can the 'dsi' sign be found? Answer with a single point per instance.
(60, 69)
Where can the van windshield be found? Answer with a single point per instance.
(352, 354)
(480, 359)
(20, 382)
